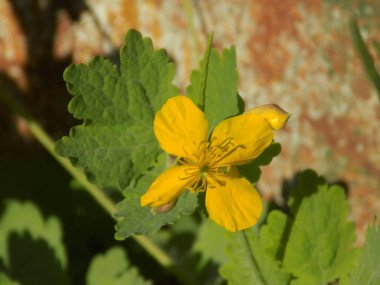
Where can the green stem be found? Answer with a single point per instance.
(44, 139)
(108, 205)
(253, 264)
(364, 54)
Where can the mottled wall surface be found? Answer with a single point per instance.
(297, 54)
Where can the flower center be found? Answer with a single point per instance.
(203, 171)
(204, 162)
(215, 153)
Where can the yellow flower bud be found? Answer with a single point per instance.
(273, 114)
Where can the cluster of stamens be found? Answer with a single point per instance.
(203, 163)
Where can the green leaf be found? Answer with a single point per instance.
(365, 55)
(115, 143)
(113, 268)
(152, 69)
(251, 263)
(368, 269)
(221, 97)
(135, 219)
(214, 85)
(271, 233)
(319, 249)
(269, 245)
(29, 244)
(307, 184)
(197, 90)
(252, 170)
(5, 280)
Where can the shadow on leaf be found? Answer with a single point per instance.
(252, 170)
(32, 262)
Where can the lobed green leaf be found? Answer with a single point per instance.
(314, 245)
(197, 89)
(214, 85)
(221, 97)
(152, 69)
(319, 249)
(115, 143)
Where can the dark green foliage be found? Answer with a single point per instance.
(312, 246)
(116, 143)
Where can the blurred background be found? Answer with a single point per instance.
(297, 54)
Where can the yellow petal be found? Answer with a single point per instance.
(168, 186)
(236, 205)
(180, 127)
(239, 140)
(274, 114)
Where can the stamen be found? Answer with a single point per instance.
(197, 157)
(192, 187)
(181, 161)
(190, 172)
(199, 185)
(201, 152)
(224, 170)
(218, 181)
(218, 152)
(203, 186)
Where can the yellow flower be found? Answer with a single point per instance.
(209, 165)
